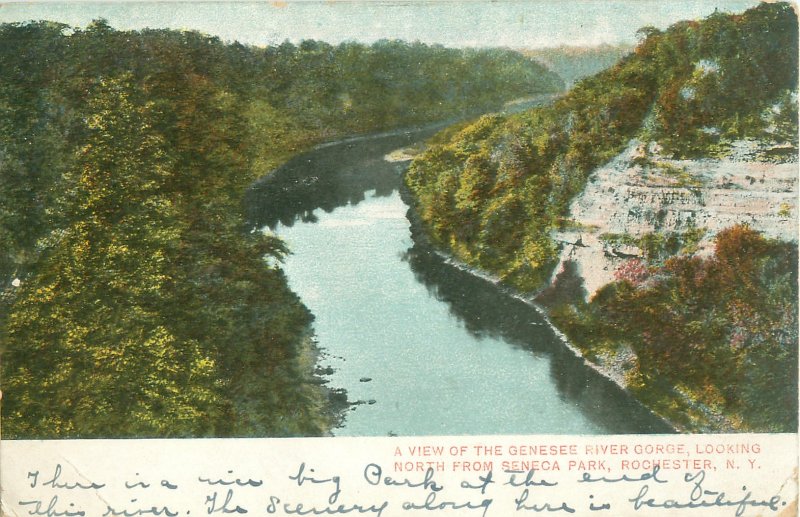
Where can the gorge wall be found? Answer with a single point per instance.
(640, 192)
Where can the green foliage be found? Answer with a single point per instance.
(723, 328)
(732, 69)
(145, 307)
(512, 178)
(86, 330)
(657, 247)
(480, 189)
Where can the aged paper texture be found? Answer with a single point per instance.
(398, 258)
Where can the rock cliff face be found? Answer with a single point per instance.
(640, 192)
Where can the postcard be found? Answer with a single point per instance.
(397, 258)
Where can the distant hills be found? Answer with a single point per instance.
(575, 63)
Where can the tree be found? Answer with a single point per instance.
(89, 351)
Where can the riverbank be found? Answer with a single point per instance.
(436, 329)
(642, 210)
(619, 357)
(614, 375)
(323, 175)
(137, 272)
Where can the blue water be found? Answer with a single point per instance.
(421, 347)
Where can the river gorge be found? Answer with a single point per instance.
(420, 346)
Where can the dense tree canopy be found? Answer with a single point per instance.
(493, 191)
(720, 330)
(134, 301)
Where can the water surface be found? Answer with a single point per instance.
(420, 346)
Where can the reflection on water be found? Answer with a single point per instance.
(330, 177)
(486, 311)
(424, 347)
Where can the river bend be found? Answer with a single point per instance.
(420, 346)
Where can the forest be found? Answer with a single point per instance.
(135, 301)
(718, 330)
(721, 330)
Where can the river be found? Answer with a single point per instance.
(420, 346)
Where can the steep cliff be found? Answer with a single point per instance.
(652, 211)
(639, 193)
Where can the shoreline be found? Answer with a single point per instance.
(337, 402)
(334, 403)
(538, 99)
(419, 235)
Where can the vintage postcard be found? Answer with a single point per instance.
(395, 258)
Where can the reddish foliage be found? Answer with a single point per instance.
(634, 271)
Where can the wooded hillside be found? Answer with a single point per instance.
(134, 301)
(493, 193)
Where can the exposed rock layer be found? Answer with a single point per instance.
(639, 192)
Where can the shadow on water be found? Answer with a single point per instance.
(485, 310)
(341, 174)
(327, 178)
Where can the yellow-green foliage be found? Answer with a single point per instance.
(146, 307)
(724, 327)
(498, 187)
